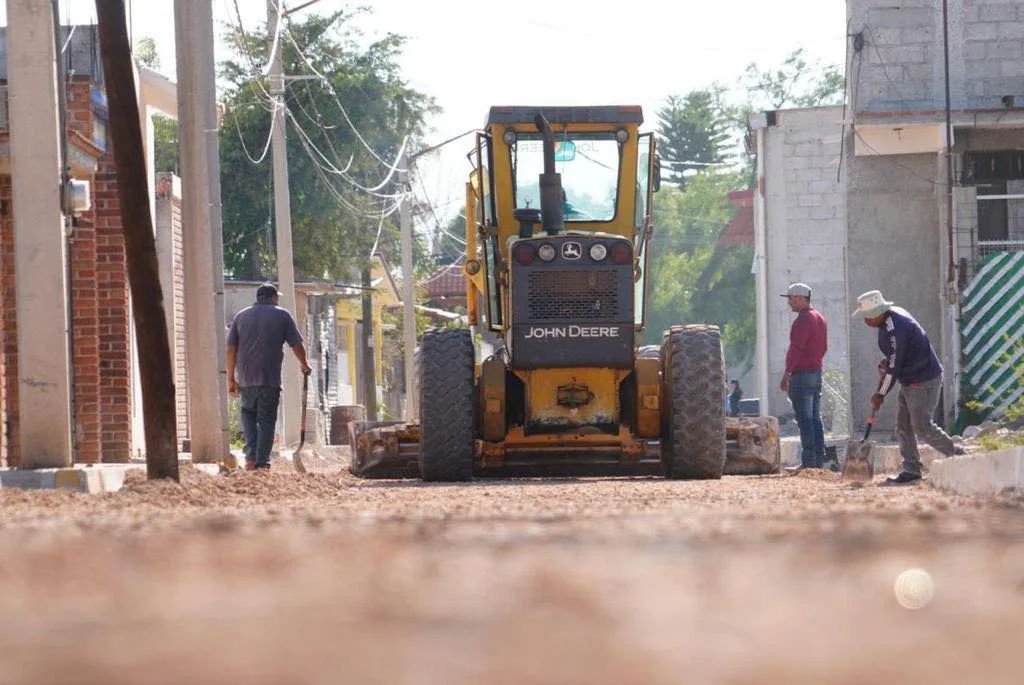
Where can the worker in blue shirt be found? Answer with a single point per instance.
(911, 360)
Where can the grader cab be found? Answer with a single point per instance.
(550, 378)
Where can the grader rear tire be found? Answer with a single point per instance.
(693, 377)
(447, 407)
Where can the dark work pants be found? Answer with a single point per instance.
(259, 418)
(805, 396)
(914, 422)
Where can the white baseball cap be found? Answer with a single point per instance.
(801, 289)
(871, 304)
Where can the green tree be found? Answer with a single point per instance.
(343, 133)
(693, 278)
(797, 83)
(146, 53)
(694, 132)
(165, 129)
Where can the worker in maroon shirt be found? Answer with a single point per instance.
(808, 342)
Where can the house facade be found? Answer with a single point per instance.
(899, 193)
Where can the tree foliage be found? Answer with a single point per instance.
(693, 278)
(693, 132)
(796, 83)
(343, 133)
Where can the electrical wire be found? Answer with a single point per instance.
(245, 148)
(338, 195)
(343, 173)
(442, 270)
(329, 87)
(888, 159)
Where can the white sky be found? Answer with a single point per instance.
(471, 54)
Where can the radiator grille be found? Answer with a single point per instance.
(575, 295)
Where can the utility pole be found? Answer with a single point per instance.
(204, 339)
(408, 300)
(40, 249)
(155, 369)
(290, 394)
(369, 361)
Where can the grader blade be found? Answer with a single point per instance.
(751, 445)
(384, 449)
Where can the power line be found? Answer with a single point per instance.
(245, 149)
(329, 87)
(331, 169)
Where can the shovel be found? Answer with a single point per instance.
(296, 456)
(858, 465)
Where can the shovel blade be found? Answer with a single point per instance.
(858, 465)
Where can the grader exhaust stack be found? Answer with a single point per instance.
(550, 182)
(567, 389)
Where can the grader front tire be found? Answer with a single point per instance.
(693, 374)
(447, 407)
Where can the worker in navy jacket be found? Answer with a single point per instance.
(910, 360)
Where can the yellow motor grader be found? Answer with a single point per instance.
(558, 242)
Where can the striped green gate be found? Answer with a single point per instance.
(992, 333)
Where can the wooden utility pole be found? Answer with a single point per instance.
(154, 351)
(369, 366)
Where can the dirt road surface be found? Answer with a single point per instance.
(281, 578)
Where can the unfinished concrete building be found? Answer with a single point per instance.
(857, 198)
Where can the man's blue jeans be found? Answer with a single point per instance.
(805, 396)
(259, 417)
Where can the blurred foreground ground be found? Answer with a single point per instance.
(280, 578)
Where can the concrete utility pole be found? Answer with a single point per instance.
(290, 394)
(408, 299)
(204, 335)
(155, 368)
(40, 254)
(369, 357)
(211, 129)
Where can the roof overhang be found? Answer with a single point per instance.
(898, 139)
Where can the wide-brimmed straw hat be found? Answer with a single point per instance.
(871, 304)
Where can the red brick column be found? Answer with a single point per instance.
(84, 311)
(9, 452)
(112, 313)
(85, 351)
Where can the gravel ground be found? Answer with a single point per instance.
(279, 578)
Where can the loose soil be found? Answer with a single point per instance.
(280, 578)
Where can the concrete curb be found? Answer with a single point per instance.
(987, 473)
(91, 478)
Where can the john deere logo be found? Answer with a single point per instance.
(571, 250)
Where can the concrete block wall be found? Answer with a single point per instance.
(805, 217)
(895, 242)
(901, 68)
(980, 474)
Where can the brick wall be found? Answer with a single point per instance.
(8, 340)
(99, 310)
(84, 311)
(112, 299)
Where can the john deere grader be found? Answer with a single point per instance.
(558, 244)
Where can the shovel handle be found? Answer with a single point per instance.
(302, 423)
(871, 422)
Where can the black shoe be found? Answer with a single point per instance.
(903, 479)
(959, 452)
